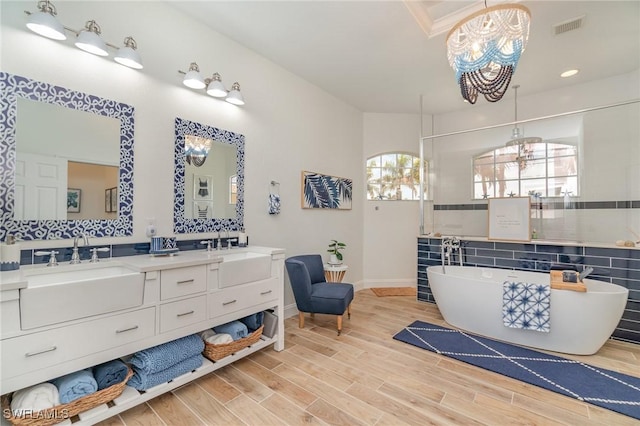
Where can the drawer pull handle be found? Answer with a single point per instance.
(135, 327)
(185, 282)
(184, 314)
(265, 292)
(52, 348)
(228, 303)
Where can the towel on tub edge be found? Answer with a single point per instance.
(526, 305)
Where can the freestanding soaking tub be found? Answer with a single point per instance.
(470, 298)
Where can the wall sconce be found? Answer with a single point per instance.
(44, 23)
(214, 87)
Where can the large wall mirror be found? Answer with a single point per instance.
(66, 162)
(209, 178)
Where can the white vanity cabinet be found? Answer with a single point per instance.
(183, 294)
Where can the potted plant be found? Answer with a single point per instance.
(334, 248)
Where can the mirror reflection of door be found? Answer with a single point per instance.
(58, 148)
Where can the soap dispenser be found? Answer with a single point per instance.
(9, 254)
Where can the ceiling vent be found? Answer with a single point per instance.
(570, 25)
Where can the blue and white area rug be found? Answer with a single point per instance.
(597, 386)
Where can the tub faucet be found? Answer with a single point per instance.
(585, 272)
(75, 256)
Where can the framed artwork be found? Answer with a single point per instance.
(510, 218)
(202, 187)
(73, 200)
(111, 200)
(202, 209)
(326, 192)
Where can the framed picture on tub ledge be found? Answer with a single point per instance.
(510, 218)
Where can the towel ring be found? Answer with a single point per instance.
(274, 188)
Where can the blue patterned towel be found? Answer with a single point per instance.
(110, 373)
(274, 204)
(526, 305)
(253, 321)
(161, 357)
(75, 385)
(144, 381)
(235, 329)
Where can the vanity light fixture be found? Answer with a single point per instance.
(192, 78)
(214, 87)
(234, 96)
(90, 41)
(127, 55)
(44, 23)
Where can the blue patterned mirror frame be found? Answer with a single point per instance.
(182, 225)
(12, 87)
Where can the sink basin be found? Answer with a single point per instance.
(63, 293)
(244, 267)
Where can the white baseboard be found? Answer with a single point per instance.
(406, 282)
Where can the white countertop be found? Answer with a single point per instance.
(15, 280)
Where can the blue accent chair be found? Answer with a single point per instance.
(313, 293)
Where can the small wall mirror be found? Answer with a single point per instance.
(67, 162)
(209, 178)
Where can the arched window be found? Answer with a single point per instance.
(543, 169)
(394, 176)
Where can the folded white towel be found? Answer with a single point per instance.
(206, 334)
(35, 398)
(219, 339)
(214, 338)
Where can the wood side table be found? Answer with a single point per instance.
(334, 273)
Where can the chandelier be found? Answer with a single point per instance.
(484, 49)
(519, 140)
(196, 149)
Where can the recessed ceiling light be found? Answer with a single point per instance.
(569, 73)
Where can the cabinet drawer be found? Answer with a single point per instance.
(240, 297)
(182, 313)
(182, 281)
(36, 351)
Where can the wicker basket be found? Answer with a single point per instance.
(62, 412)
(217, 352)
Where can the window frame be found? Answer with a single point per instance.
(413, 158)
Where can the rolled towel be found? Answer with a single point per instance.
(235, 329)
(75, 385)
(254, 321)
(144, 381)
(34, 398)
(161, 357)
(206, 334)
(219, 339)
(110, 373)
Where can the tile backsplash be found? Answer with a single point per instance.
(614, 265)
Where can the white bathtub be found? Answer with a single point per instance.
(470, 298)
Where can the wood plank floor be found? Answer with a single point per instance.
(364, 377)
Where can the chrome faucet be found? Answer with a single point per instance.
(448, 246)
(75, 256)
(228, 240)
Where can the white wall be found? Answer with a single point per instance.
(391, 227)
(289, 124)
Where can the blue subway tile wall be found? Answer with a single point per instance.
(28, 257)
(614, 265)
